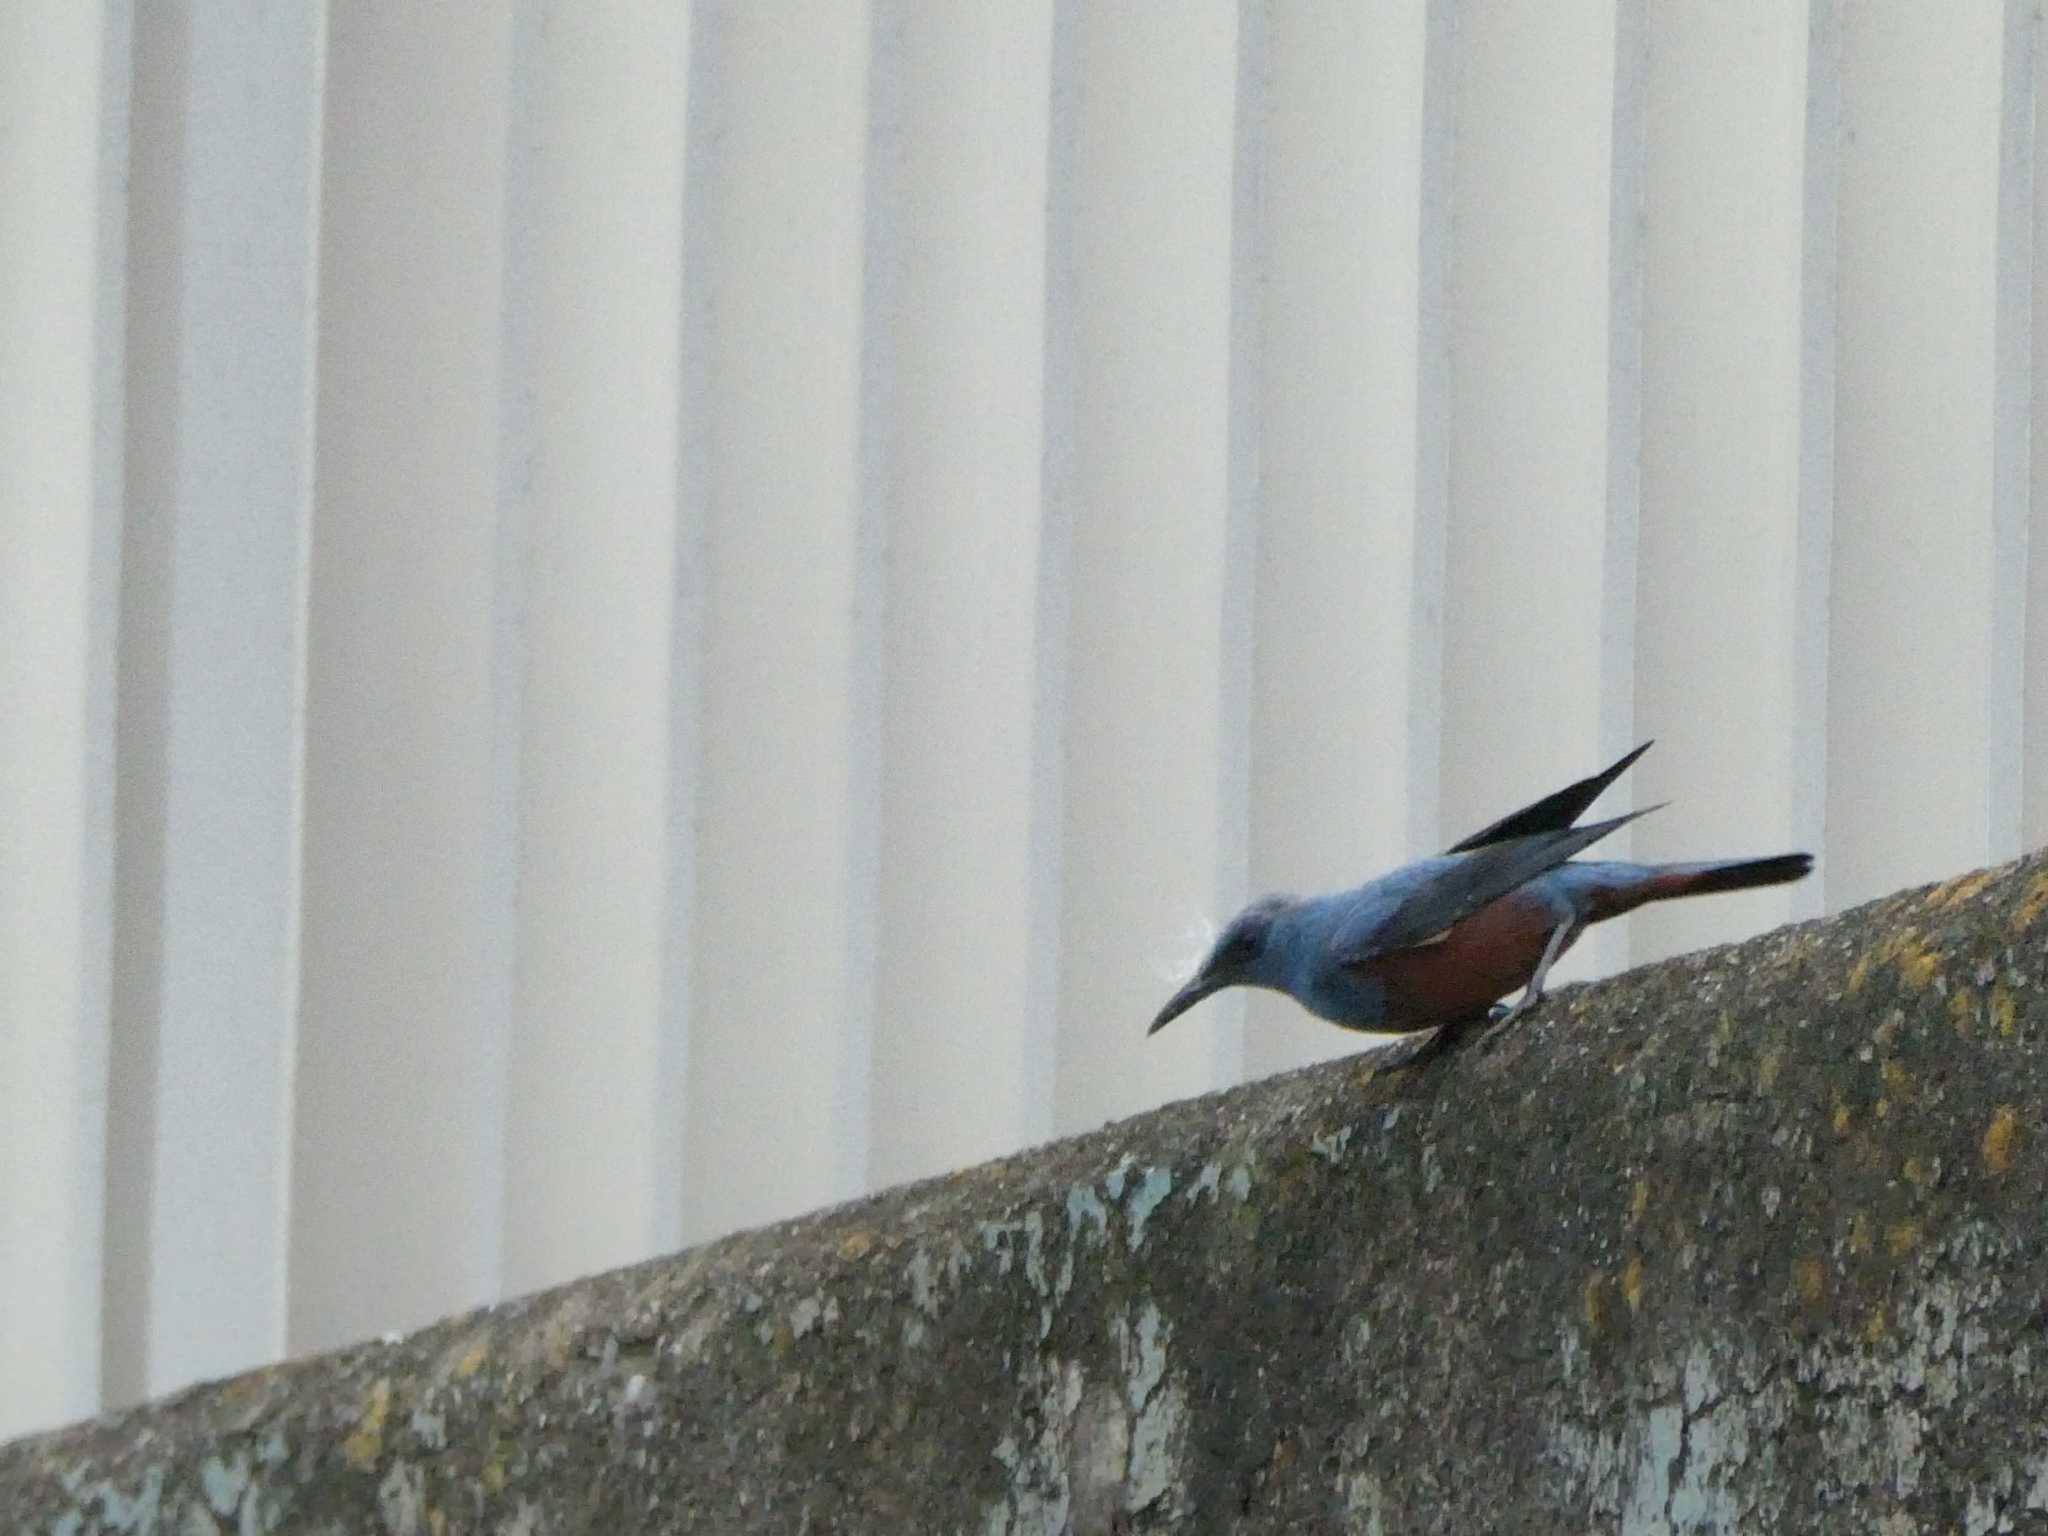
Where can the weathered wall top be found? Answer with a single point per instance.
(1749, 1240)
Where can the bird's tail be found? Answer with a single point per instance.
(1665, 882)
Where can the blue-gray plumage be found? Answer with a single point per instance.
(1438, 941)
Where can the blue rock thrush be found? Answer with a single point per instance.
(1437, 942)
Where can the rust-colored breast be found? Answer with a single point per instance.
(1473, 964)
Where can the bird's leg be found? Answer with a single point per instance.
(1532, 992)
(1435, 1045)
(1432, 1045)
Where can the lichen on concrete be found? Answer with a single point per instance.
(1744, 1241)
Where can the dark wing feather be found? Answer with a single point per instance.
(1480, 876)
(1553, 813)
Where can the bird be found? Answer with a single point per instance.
(1437, 943)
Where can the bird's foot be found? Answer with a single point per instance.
(1412, 1051)
(1498, 1018)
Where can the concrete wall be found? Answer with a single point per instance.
(1746, 1241)
(619, 619)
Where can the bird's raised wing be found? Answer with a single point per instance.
(1463, 885)
(1553, 813)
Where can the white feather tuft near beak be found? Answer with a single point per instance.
(1189, 950)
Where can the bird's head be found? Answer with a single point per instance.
(1239, 957)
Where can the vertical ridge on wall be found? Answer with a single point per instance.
(778, 1028)
(1144, 852)
(592, 382)
(1820, 186)
(956, 318)
(1347, 272)
(1627, 157)
(1052, 609)
(399, 1155)
(2034, 694)
(1722, 641)
(1237, 617)
(1434, 234)
(64, 71)
(689, 637)
(511, 554)
(513, 557)
(1920, 617)
(2011, 426)
(881, 236)
(875, 415)
(219, 482)
(1542, 411)
(284, 1125)
(158, 96)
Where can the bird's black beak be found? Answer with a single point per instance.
(1203, 984)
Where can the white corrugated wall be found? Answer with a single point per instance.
(621, 619)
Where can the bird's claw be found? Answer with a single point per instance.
(1498, 1018)
(1417, 1050)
